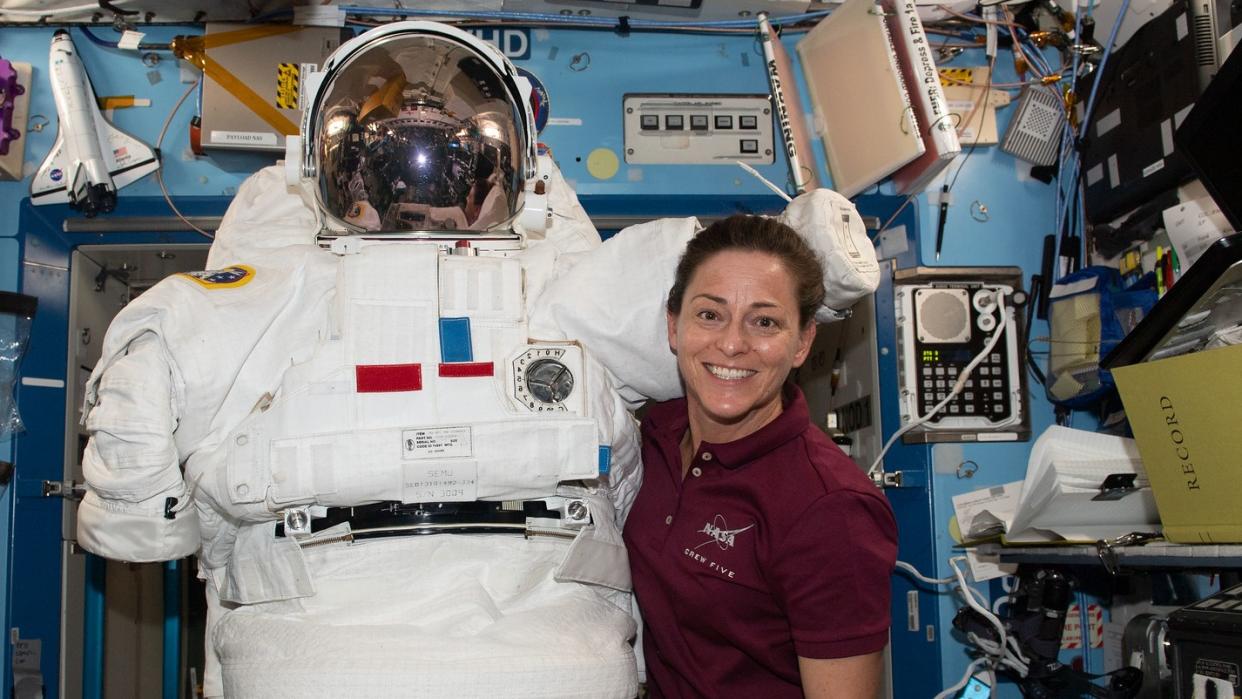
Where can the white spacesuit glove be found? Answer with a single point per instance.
(833, 227)
(137, 506)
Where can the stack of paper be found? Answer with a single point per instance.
(1063, 476)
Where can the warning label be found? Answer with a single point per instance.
(1071, 637)
(1218, 669)
(287, 84)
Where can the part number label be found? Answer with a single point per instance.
(436, 442)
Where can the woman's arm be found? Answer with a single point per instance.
(842, 678)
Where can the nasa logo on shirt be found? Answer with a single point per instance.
(227, 278)
(718, 531)
(717, 540)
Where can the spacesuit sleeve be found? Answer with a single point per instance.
(612, 298)
(137, 506)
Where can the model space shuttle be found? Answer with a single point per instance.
(91, 158)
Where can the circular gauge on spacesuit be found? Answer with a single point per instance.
(542, 381)
(549, 381)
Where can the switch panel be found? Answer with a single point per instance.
(690, 129)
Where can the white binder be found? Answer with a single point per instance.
(931, 109)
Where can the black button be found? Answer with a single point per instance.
(750, 145)
(748, 122)
(674, 122)
(650, 122)
(724, 122)
(698, 122)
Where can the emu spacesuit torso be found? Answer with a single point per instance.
(404, 463)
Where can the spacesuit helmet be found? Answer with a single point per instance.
(416, 127)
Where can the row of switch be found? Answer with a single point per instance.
(698, 122)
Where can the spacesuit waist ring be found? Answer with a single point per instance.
(386, 519)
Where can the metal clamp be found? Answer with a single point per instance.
(1106, 548)
(71, 490)
(1118, 485)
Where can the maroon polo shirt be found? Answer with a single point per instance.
(774, 546)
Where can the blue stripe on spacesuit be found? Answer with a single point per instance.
(605, 459)
(455, 340)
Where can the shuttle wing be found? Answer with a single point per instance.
(48, 186)
(128, 158)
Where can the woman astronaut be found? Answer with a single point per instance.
(394, 423)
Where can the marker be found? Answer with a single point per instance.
(944, 214)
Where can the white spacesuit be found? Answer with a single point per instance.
(398, 436)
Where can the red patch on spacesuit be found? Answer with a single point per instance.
(389, 378)
(456, 370)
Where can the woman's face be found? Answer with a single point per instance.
(736, 338)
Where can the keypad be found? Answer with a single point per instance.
(985, 393)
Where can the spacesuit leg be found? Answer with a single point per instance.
(432, 616)
(213, 686)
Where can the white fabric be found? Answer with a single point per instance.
(264, 215)
(835, 230)
(432, 616)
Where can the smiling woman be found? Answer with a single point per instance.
(760, 552)
(739, 319)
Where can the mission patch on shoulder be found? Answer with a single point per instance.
(227, 278)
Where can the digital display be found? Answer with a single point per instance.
(951, 356)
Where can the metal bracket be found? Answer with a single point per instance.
(297, 522)
(577, 514)
(900, 479)
(70, 490)
(1118, 485)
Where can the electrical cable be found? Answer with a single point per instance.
(1003, 651)
(575, 20)
(919, 576)
(970, 671)
(116, 45)
(958, 385)
(159, 172)
(780, 192)
(1073, 202)
(90, 7)
(978, 106)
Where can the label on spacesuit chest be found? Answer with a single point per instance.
(441, 481)
(436, 442)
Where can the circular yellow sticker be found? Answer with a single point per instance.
(602, 163)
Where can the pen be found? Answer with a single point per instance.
(1159, 271)
(944, 213)
(1174, 269)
